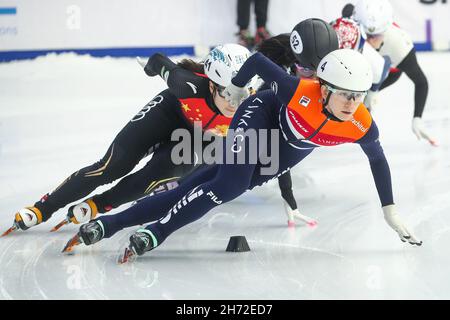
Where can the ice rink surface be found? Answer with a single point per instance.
(60, 113)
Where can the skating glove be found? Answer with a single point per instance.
(394, 221)
(235, 95)
(419, 131)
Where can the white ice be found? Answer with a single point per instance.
(60, 113)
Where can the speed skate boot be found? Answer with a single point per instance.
(79, 213)
(294, 215)
(24, 219)
(142, 241)
(92, 232)
(89, 233)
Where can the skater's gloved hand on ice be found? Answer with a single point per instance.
(235, 95)
(394, 221)
(295, 215)
(419, 131)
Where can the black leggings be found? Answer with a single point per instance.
(412, 69)
(151, 127)
(159, 171)
(243, 12)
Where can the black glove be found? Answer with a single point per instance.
(148, 67)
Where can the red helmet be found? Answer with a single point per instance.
(348, 31)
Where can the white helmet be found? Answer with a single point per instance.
(374, 15)
(346, 69)
(224, 61)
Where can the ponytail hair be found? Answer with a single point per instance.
(191, 65)
(278, 49)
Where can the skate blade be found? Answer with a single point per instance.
(126, 257)
(12, 229)
(59, 225)
(72, 243)
(141, 62)
(310, 222)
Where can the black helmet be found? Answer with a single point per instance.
(311, 40)
(278, 49)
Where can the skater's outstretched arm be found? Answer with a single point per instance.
(371, 146)
(382, 176)
(182, 83)
(285, 185)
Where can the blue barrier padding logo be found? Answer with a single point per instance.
(8, 11)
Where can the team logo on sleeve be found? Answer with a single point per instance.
(274, 87)
(164, 73)
(193, 86)
(304, 101)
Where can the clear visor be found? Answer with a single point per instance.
(220, 89)
(357, 96)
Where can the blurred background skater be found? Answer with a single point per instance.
(243, 20)
(351, 36)
(384, 35)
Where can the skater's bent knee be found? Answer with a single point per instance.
(115, 164)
